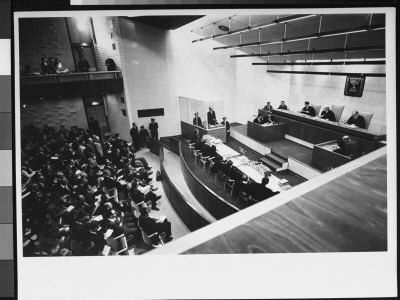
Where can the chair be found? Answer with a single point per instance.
(221, 175)
(252, 201)
(242, 195)
(210, 163)
(337, 110)
(317, 108)
(111, 193)
(230, 183)
(367, 116)
(191, 147)
(204, 160)
(118, 244)
(196, 154)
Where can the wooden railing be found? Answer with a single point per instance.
(186, 212)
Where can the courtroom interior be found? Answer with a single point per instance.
(140, 134)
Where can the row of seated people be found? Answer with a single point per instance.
(355, 118)
(243, 184)
(67, 180)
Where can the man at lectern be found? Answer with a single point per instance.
(211, 118)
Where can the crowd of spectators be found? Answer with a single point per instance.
(77, 189)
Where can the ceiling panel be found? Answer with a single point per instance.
(166, 22)
(329, 56)
(261, 19)
(366, 54)
(250, 50)
(378, 18)
(301, 57)
(275, 32)
(232, 40)
(224, 23)
(239, 22)
(295, 46)
(376, 37)
(337, 41)
(302, 27)
(250, 36)
(335, 22)
(220, 40)
(271, 48)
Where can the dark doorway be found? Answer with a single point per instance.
(94, 107)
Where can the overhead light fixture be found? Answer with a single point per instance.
(23, 105)
(95, 103)
(223, 28)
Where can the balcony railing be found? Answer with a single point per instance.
(70, 77)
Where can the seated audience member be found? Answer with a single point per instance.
(110, 64)
(197, 120)
(116, 222)
(268, 106)
(328, 114)
(283, 105)
(151, 225)
(308, 109)
(356, 119)
(140, 192)
(46, 67)
(269, 119)
(144, 135)
(58, 67)
(259, 119)
(259, 191)
(220, 164)
(83, 64)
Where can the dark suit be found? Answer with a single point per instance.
(211, 118)
(228, 129)
(359, 121)
(260, 192)
(154, 130)
(282, 107)
(257, 121)
(308, 111)
(269, 121)
(197, 121)
(328, 115)
(150, 226)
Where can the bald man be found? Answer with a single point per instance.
(356, 119)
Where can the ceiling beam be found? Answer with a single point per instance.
(328, 73)
(328, 63)
(309, 36)
(269, 23)
(314, 51)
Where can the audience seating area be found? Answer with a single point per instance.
(85, 196)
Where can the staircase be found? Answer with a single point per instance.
(275, 162)
(165, 142)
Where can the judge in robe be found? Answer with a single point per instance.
(356, 119)
(328, 114)
(308, 110)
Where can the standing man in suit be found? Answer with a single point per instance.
(153, 126)
(134, 132)
(308, 110)
(211, 118)
(283, 105)
(228, 128)
(356, 119)
(328, 114)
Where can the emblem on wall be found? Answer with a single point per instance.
(354, 85)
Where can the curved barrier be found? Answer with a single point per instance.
(188, 214)
(214, 204)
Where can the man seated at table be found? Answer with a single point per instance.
(259, 119)
(308, 109)
(328, 114)
(347, 147)
(356, 119)
(196, 137)
(259, 191)
(220, 164)
(209, 150)
(283, 105)
(268, 106)
(269, 119)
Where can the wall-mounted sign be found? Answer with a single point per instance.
(354, 85)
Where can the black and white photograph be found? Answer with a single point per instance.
(249, 150)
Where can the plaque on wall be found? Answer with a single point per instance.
(354, 85)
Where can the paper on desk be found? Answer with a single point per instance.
(162, 218)
(71, 207)
(106, 250)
